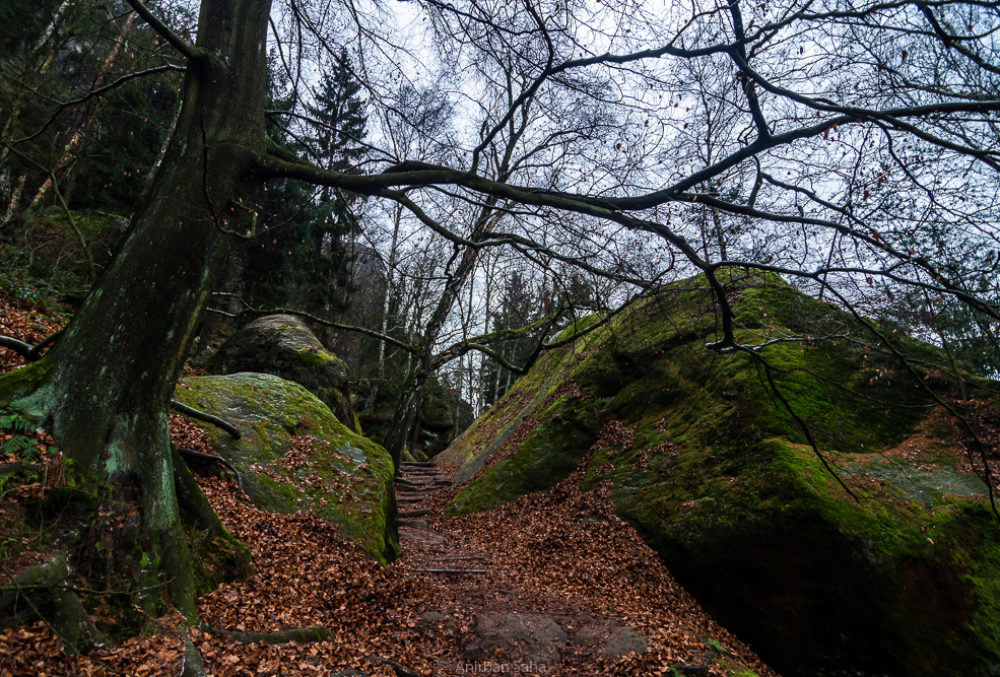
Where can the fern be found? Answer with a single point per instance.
(18, 445)
(14, 423)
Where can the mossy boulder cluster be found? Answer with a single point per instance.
(878, 555)
(285, 346)
(294, 454)
(435, 427)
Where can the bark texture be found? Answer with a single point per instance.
(108, 408)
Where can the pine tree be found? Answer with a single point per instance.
(335, 143)
(299, 257)
(519, 305)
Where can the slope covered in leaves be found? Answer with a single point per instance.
(874, 551)
(561, 556)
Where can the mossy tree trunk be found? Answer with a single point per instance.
(104, 389)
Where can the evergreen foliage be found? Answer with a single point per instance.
(298, 258)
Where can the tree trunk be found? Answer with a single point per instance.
(108, 409)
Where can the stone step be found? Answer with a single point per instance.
(414, 524)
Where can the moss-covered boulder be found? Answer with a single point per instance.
(285, 346)
(874, 553)
(435, 426)
(294, 454)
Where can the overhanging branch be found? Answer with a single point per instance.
(165, 32)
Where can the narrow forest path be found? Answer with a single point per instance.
(551, 584)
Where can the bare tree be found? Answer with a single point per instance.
(810, 82)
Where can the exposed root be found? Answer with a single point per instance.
(207, 418)
(29, 352)
(401, 670)
(44, 591)
(19, 347)
(192, 664)
(44, 577)
(218, 459)
(18, 468)
(317, 633)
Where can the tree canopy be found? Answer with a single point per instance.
(850, 147)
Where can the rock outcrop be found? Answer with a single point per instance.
(284, 345)
(292, 450)
(435, 427)
(877, 555)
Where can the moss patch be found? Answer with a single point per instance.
(295, 455)
(710, 464)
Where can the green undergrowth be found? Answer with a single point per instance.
(46, 257)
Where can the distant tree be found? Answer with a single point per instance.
(813, 80)
(299, 256)
(519, 304)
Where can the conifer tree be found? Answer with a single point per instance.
(299, 258)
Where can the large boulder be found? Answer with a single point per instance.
(293, 454)
(285, 346)
(878, 555)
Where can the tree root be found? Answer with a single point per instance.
(20, 347)
(401, 670)
(47, 576)
(29, 352)
(43, 589)
(317, 633)
(219, 459)
(192, 665)
(207, 418)
(18, 468)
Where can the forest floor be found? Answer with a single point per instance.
(551, 584)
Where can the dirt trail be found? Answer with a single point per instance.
(551, 584)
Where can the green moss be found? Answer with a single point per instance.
(316, 358)
(435, 414)
(357, 474)
(19, 389)
(548, 454)
(721, 473)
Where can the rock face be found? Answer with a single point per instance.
(293, 450)
(435, 427)
(900, 576)
(284, 346)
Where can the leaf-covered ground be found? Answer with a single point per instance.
(560, 555)
(553, 584)
(25, 322)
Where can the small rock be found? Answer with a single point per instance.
(529, 638)
(625, 641)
